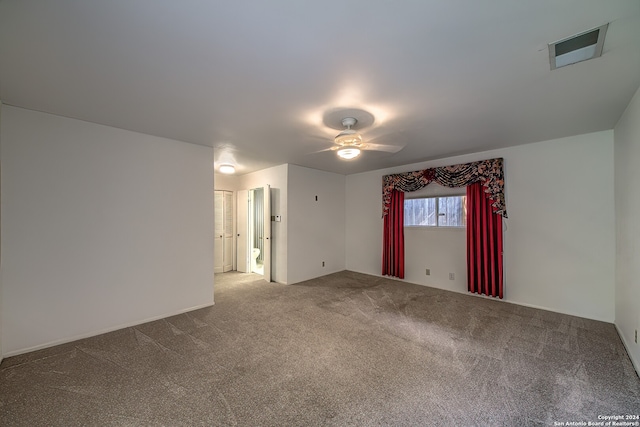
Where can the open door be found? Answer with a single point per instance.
(227, 264)
(267, 232)
(242, 225)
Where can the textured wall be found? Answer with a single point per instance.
(559, 238)
(102, 228)
(627, 159)
(316, 227)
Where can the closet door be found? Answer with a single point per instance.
(227, 262)
(218, 227)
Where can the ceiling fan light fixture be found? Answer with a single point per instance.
(227, 169)
(348, 137)
(348, 153)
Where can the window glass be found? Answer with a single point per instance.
(448, 211)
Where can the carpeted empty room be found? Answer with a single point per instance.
(343, 349)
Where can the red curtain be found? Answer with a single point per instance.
(484, 244)
(393, 240)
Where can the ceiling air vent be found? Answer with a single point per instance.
(578, 48)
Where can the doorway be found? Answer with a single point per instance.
(254, 231)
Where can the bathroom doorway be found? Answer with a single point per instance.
(254, 231)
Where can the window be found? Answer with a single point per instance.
(436, 212)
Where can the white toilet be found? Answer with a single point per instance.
(255, 253)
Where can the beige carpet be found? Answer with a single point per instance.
(345, 349)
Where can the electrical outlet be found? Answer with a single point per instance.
(452, 276)
(428, 273)
(323, 263)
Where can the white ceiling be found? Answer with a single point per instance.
(257, 79)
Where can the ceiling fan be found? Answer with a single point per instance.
(349, 143)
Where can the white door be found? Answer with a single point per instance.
(218, 227)
(267, 233)
(227, 262)
(223, 229)
(242, 225)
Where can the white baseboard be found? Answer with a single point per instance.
(505, 301)
(99, 332)
(627, 347)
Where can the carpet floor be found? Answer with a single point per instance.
(345, 349)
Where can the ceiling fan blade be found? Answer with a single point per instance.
(319, 136)
(383, 147)
(334, 148)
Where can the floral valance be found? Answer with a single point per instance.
(488, 172)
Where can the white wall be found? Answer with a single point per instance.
(102, 228)
(226, 182)
(1, 350)
(559, 242)
(627, 205)
(316, 228)
(276, 177)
